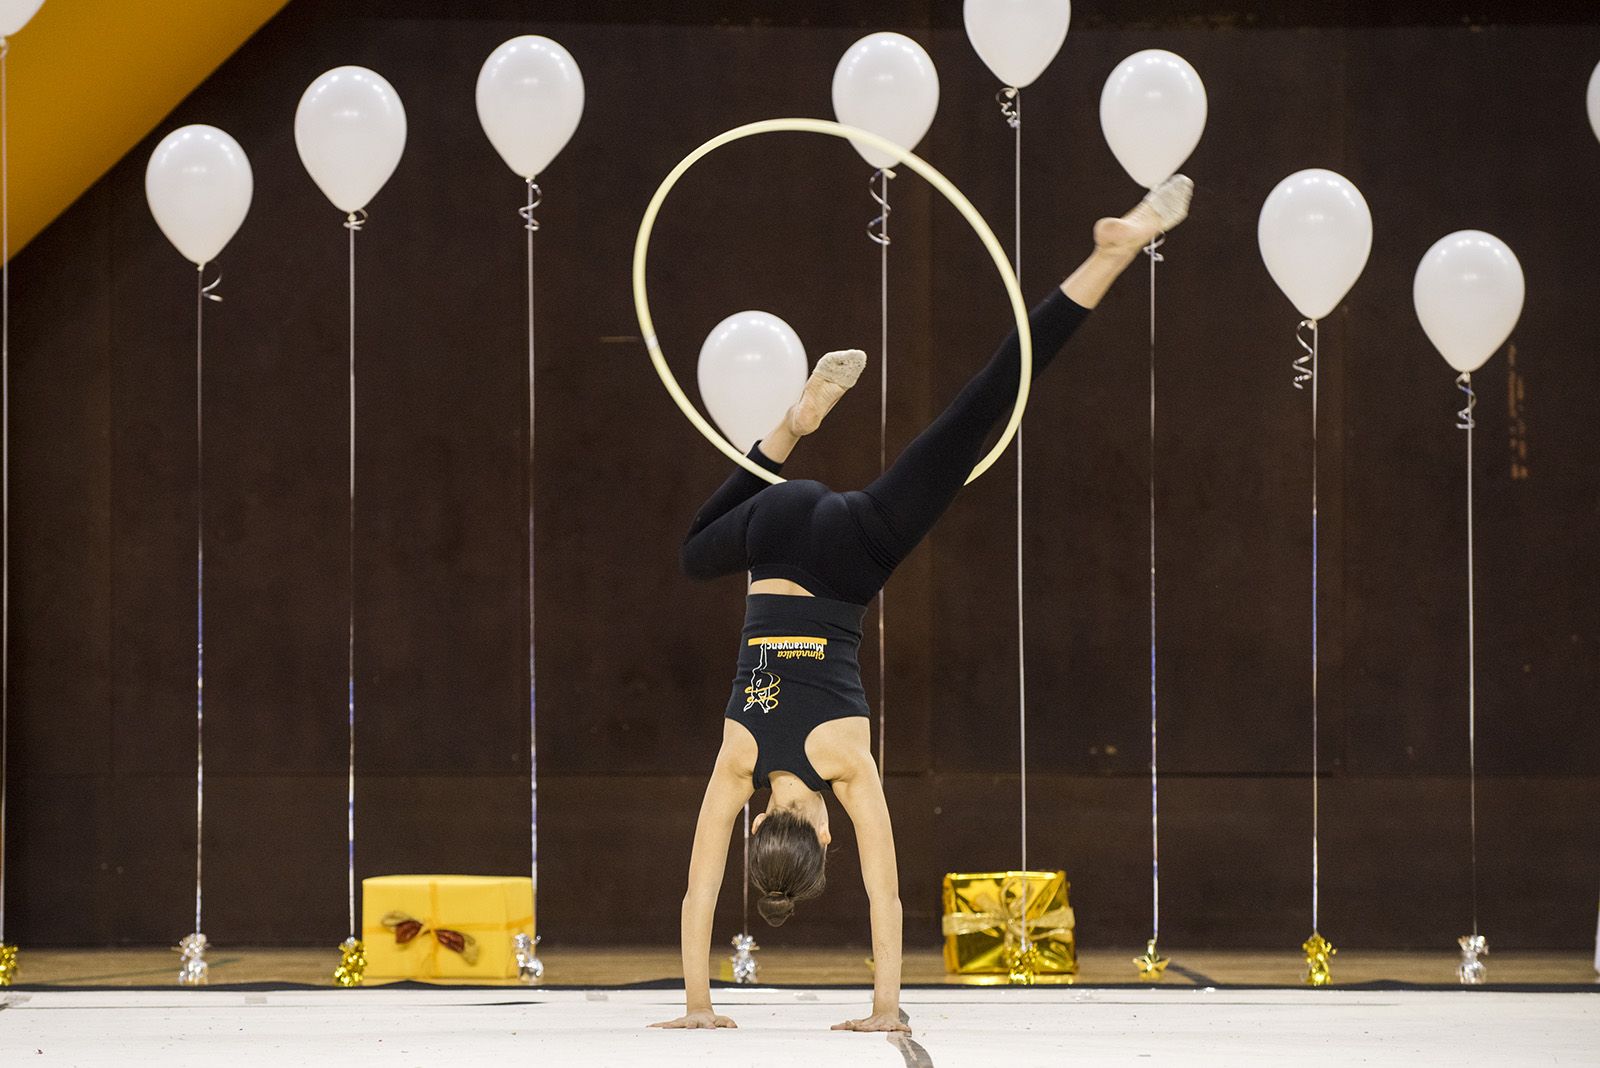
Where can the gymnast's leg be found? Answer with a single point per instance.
(916, 489)
(715, 544)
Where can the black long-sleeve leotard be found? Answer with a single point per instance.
(845, 545)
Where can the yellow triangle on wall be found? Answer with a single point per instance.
(88, 79)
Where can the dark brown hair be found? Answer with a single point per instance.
(786, 864)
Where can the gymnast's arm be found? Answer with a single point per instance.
(715, 543)
(861, 794)
(726, 794)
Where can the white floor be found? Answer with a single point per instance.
(957, 1027)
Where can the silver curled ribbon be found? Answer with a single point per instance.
(1464, 418)
(535, 198)
(1152, 249)
(209, 289)
(1010, 106)
(356, 220)
(878, 228)
(1305, 366)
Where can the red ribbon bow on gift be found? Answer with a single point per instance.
(408, 928)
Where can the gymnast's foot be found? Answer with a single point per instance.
(1162, 209)
(834, 374)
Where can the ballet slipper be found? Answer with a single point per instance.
(1169, 201)
(1162, 209)
(842, 367)
(834, 374)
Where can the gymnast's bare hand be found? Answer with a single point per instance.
(878, 1021)
(695, 1020)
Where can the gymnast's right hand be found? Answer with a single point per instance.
(691, 1020)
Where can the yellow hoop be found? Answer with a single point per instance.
(641, 246)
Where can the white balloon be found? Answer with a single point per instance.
(1017, 39)
(1468, 292)
(752, 368)
(14, 14)
(1315, 232)
(198, 184)
(530, 97)
(1594, 100)
(350, 129)
(1153, 111)
(886, 84)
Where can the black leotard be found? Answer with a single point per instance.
(797, 670)
(845, 545)
(842, 547)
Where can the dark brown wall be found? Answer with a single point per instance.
(1441, 127)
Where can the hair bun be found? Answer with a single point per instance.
(775, 907)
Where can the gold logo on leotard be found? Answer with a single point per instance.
(794, 648)
(762, 692)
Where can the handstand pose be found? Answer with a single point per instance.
(797, 720)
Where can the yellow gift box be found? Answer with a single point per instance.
(983, 922)
(449, 928)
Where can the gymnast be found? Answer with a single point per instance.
(797, 720)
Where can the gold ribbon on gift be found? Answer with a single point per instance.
(456, 937)
(1056, 923)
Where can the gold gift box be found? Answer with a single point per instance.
(983, 922)
(444, 928)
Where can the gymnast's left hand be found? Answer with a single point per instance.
(878, 1021)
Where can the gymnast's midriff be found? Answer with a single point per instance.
(797, 719)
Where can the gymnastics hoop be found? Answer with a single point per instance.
(641, 249)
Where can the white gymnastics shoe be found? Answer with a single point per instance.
(842, 368)
(1170, 201)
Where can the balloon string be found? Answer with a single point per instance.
(531, 225)
(1306, 371)
(1153, 251)
(1466, 421)
(202, 293)
(5, 469)
(745, 929)
(878, 231)
(353, 223)
(1010, 100)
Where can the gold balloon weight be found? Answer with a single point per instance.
(1318, 951)
(1024, 962)
(8, 964)
(352, 967)
(1152, 966)
(1470, 970)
